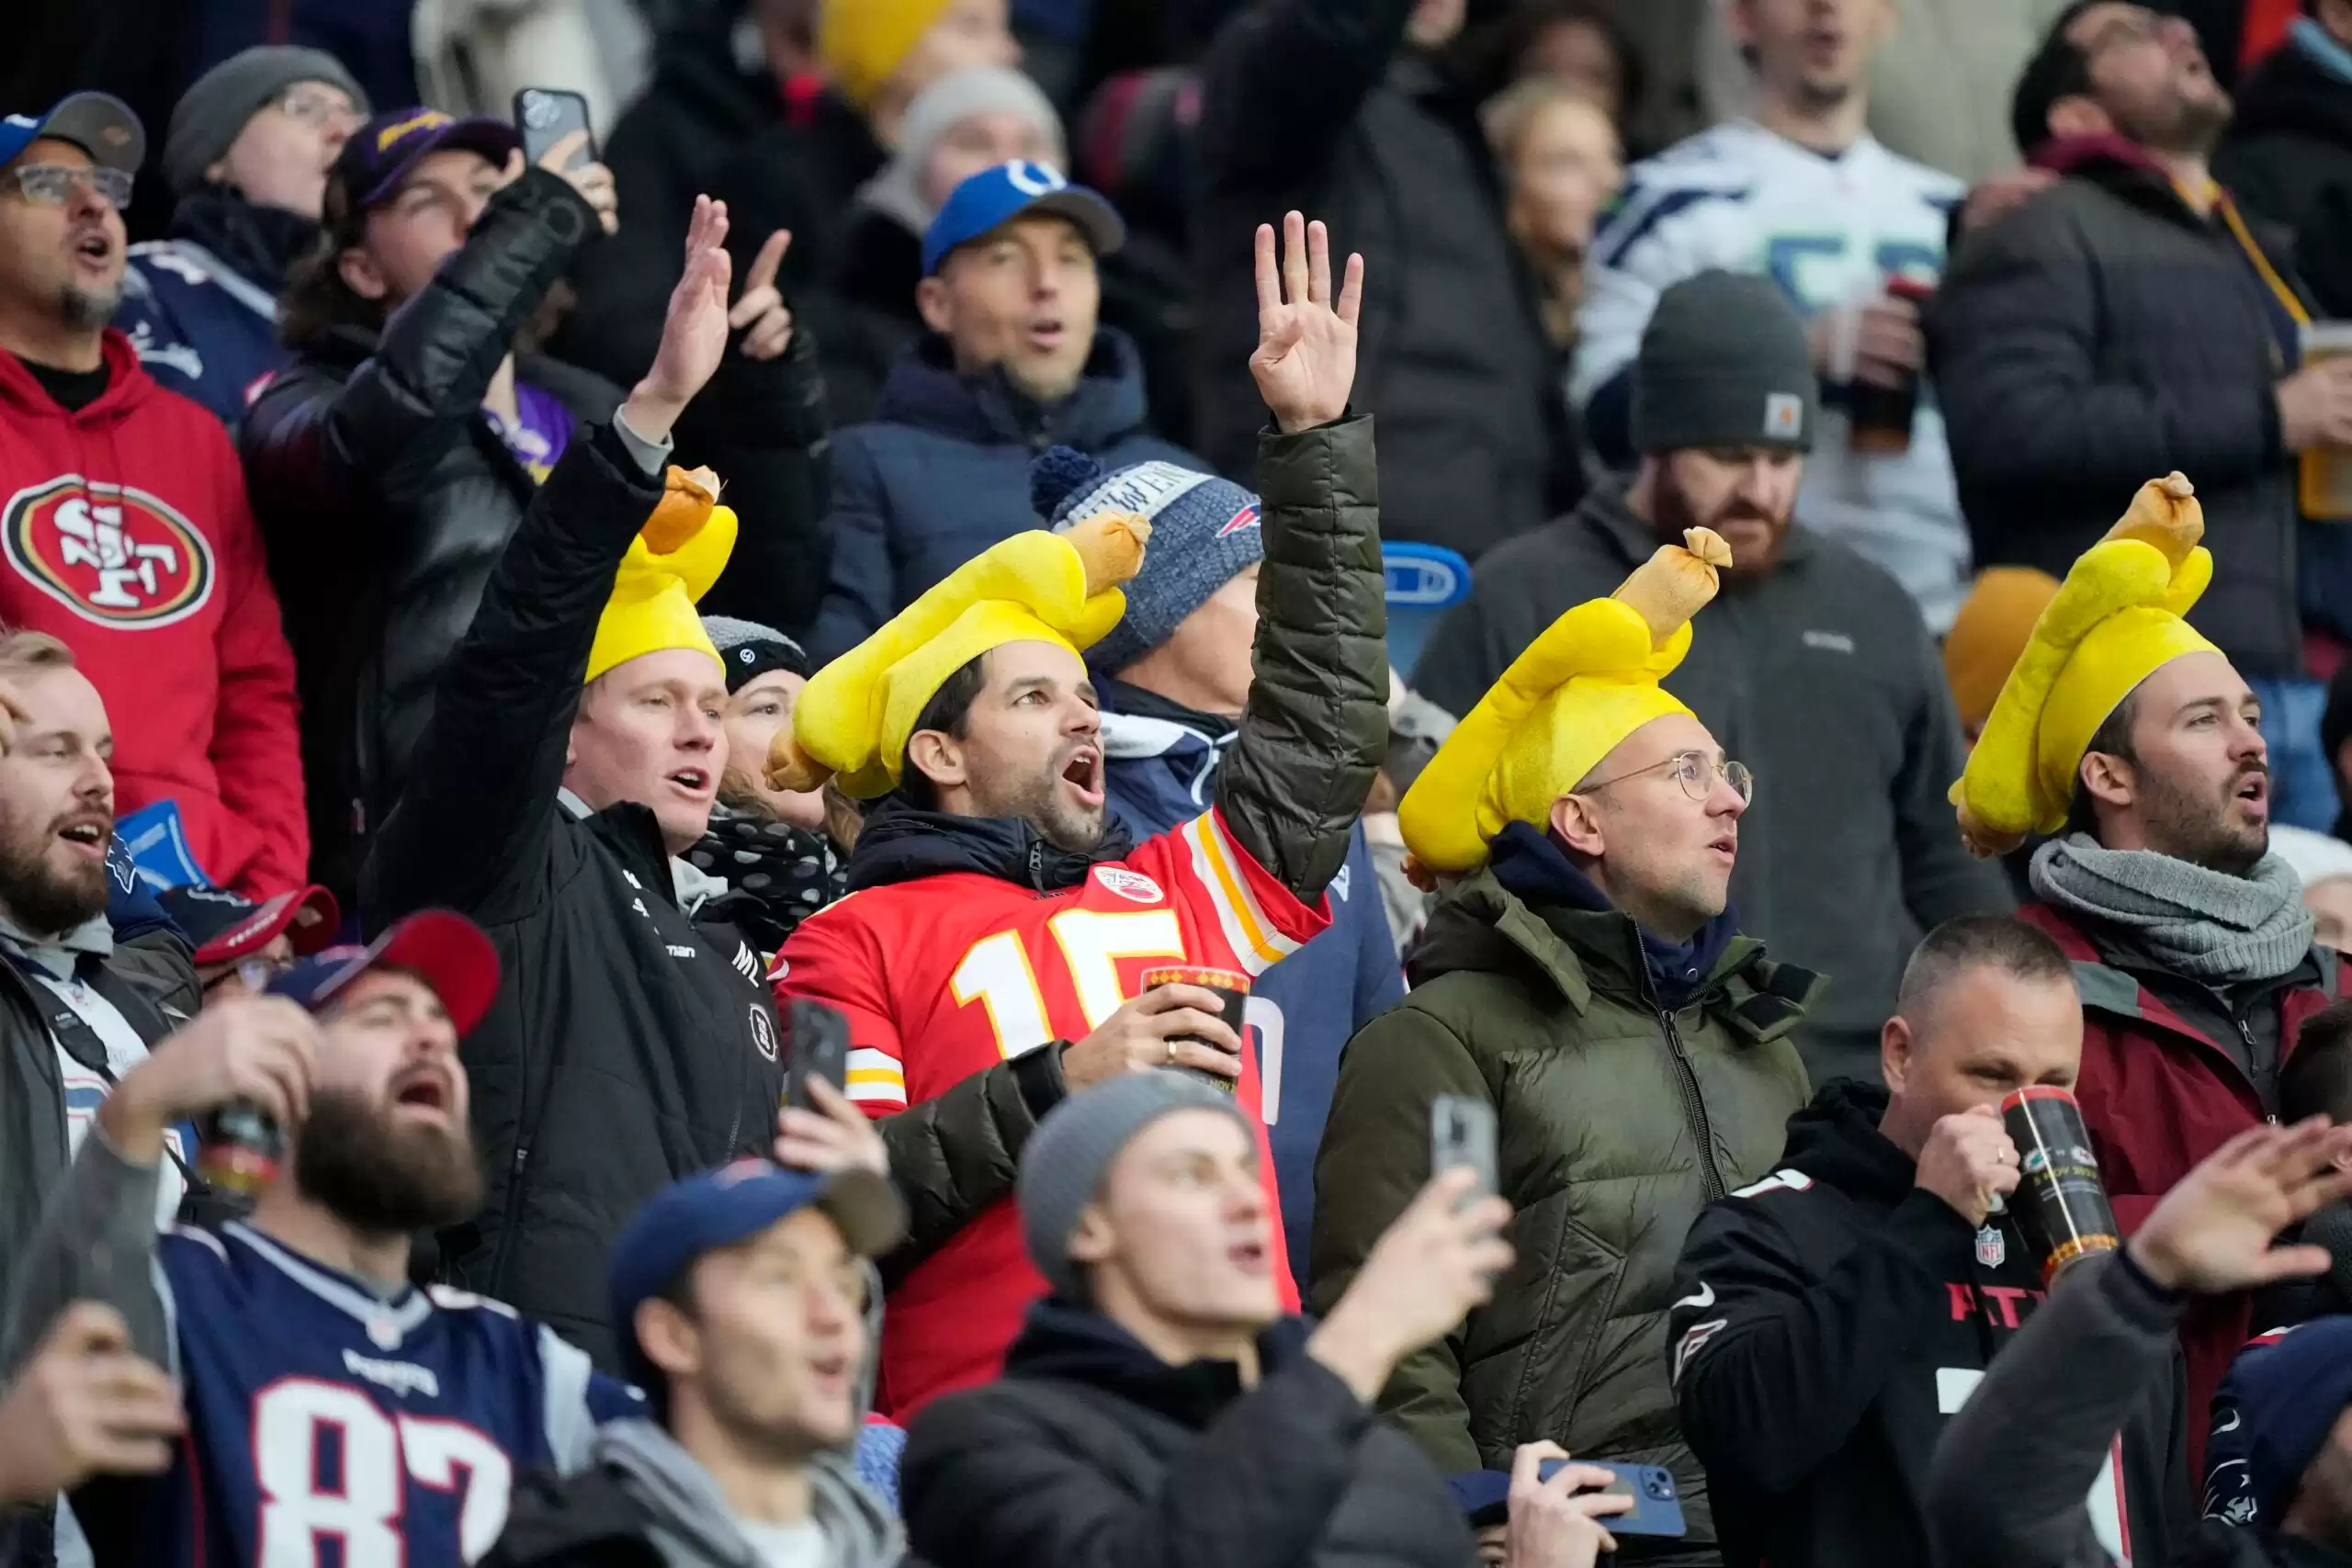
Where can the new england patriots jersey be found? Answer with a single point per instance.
(1829, 231)
(329, 1428)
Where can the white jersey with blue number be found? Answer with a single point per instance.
(1828, 231)
(332, 1428)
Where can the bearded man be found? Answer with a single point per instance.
(1816, 669)
(298, 1327)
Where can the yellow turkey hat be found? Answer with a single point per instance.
(1588, 682)
(853, 719)
(2114, 622)
(670, 564)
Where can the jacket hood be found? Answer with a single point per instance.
(2304, 87)
(1835, 1141)
(903, 843)
(1530, 866)
(924, 391)
(1160, 757)
(1074, 1344)
(127, 386)
(692, 1526)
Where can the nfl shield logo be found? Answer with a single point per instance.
(1992, 1246)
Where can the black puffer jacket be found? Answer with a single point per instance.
(2290, 138)
(1092, 1452)
(2096, 338)
(1317, 104)
(630, 1043)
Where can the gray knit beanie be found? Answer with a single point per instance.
(1063, 1165)
(217, 105)
(1205, 533)
(938, 110)
(749, 650)
(1723, 363)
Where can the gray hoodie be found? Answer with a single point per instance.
(692, 1526)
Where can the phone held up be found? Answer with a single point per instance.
(1657, 1505)
(545, 115)
(819, 1040)
(1462, 1132)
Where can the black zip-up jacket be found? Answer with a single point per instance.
(2102, 333)
(630, 1045)
(1828, 1319)
(384, 498)
(1092, 1452)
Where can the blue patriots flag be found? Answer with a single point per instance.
(331, 1426)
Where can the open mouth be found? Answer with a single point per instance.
(94, 246)
(1250, 1257)
(1084, 775)
(832, 1368)
(88, 835)
(1048, 333)
(426, 1090)
(2255, 791)
(1725, 845)
(694, 781)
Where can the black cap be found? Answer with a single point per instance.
(1723, 363)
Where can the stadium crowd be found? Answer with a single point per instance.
(1040, 783)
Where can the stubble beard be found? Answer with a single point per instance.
(42, 901)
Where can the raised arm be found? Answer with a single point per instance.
(1281, 86)
(1316, 719)
(472, 830)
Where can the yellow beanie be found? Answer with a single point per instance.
(2114, 622)
(670, 564)
(1580, 688)
(1988, 634)
(861, 42)
(852, 720)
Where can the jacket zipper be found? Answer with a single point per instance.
(1695, 1108)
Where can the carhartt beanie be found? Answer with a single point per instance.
(1067, 1157)
(214, 109)
(1205, 533)
(1723, 363)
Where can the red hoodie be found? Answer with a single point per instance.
(127, 535)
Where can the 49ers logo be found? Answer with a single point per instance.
(117, 556)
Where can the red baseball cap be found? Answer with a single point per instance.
(226, 926)
(444, 949)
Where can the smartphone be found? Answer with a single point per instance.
(1657, 1503)
(545, 115)
(820, 1037)
(1462, 1132)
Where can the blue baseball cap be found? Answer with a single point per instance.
(98, 123)
(444, 950)
(993, 197)
(2271, 1416)
(733, 1203)
(381, 152)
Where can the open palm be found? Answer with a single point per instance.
(693, 334)
(1306, 362)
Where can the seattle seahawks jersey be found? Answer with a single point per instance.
(329, 1428)
(1829, 231)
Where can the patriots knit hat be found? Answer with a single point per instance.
(1723, 363)
(1067, 1157)
(214, 109)
(749, 650)
(1205, 533)
(2271, 1416)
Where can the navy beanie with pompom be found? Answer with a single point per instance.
(1205, 533)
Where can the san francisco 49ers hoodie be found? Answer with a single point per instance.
(126, 534)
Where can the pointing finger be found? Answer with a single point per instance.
(764, 265)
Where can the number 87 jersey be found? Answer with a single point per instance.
(949, 974)
(331, 1427)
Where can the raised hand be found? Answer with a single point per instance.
(259, 1050)
(693, 334)
(760, 314)
(1429, 1268)
(591, 179)
(85, 1405)
(1306, 362)
(836, 1136)
(2215, 1230)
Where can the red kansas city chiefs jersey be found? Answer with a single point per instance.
(946, 975)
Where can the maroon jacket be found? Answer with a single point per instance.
(2159, 1096)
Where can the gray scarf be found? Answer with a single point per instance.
(2203, 925)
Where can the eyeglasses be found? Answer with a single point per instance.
(51, 183)
(317, 108)
(1696, 772)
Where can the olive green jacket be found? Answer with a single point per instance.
(1616, 1124)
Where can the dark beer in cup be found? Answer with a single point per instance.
(2061, 1203)
(1232, 990)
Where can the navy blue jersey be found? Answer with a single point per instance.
(330, 1428)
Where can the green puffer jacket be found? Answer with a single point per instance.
(1616, 1125)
